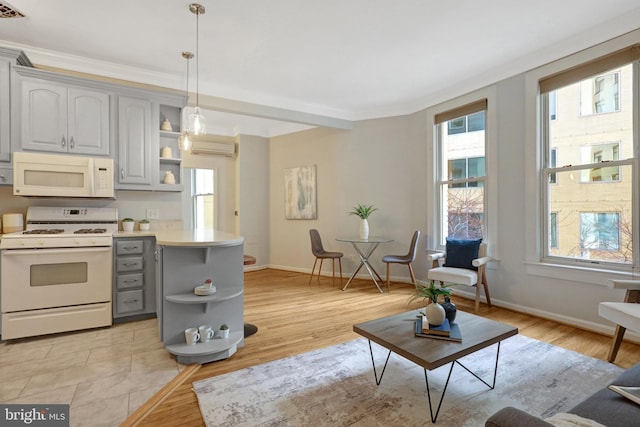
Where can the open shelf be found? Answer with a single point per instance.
(191, 298)
(200, 349)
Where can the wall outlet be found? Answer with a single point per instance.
(153, 213)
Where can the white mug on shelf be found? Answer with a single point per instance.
(206, 333)
(191, 335)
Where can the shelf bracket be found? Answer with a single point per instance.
(206, 253)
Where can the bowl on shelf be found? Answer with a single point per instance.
(203, 290)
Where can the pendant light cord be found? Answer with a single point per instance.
(197, 58)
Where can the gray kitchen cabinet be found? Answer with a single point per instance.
(134, 141)
(5, 112)
(63, 119)
(8, 58)
(180, 269)
(134, 284)
(6, 175)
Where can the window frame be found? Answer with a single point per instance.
(194, 196)
(441, 125)
(537, 258)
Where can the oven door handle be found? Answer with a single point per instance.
(50, 251)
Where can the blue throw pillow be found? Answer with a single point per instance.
(460, 253)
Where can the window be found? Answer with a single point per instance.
(203, 198)
(600, 94)
(553, 161)
(553, 230)
(471, 123)
(587, 195)
(600, 231)
(466, 168)
(600, 153)
(462, 172)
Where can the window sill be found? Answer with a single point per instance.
(574, 273)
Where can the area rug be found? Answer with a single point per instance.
(335, 386)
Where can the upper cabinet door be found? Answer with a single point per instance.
(44, 116)
(88, 122)
(61, 119)
(5, 113)
(134, 141)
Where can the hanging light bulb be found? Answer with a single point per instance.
(197, 122)
(184, 141)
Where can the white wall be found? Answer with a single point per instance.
(378, 162)
(253, 199)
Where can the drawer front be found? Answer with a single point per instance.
(127, 247)
(126, 281)
(129, 264)
(128, 301)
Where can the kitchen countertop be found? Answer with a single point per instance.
(192, 238)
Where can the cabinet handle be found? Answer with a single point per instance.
(130, 301)
(71, 144)
(127, 264)
(130, 247)
(64, 142)
(2, 178)
(131, 281)
(122, 173)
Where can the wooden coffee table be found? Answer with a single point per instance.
(396, 334)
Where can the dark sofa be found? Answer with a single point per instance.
(604, 406)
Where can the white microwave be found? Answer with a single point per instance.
(55, 175)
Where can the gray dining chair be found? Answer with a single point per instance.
(321, 254)
(404, 259)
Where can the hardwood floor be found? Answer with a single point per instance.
(294, 317)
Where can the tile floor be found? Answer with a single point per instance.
(104, 374)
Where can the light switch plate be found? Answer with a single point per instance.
(153, 213)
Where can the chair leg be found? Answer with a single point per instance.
(615, 345)
(320, 269)
(485, 285)
(388, 280)
(477, 297)
(333, 272)
(312, 270)
(413, 276)
(340, 264)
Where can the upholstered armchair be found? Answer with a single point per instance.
(463, 263)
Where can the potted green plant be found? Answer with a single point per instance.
(363, 212)
(144, 225)
(434, 311)
(224, 331)
(127, 224)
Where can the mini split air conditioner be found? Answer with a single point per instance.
(214, 148)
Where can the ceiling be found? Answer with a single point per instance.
(347, 60)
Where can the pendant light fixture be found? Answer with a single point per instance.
(184, 141)
(197, 122)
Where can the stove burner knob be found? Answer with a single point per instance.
(76, 242)
(40, 243)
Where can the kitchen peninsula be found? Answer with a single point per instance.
(186, 258)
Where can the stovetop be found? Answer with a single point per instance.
(49, 227)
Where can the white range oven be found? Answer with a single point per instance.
(57, 275)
